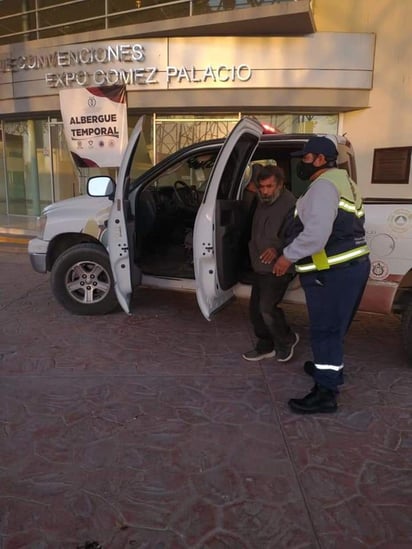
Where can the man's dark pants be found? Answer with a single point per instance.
(268, 320)
(332, 299)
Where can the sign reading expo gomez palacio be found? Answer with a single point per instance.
(121, 64)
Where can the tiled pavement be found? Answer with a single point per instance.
(149, 431)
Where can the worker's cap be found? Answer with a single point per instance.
(318, 145)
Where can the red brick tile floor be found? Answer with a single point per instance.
(150, 431)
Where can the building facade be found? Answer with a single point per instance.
(193, 68)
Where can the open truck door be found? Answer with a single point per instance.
(219, 223)
(121, 227)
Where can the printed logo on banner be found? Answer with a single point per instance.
(95, 124)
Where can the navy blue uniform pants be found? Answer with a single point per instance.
(268, 319)
(332, 298)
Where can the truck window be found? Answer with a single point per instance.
(141, 160)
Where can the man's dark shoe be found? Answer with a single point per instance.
(284, 355)
(254, 355)
(309, 368)
(319, 401)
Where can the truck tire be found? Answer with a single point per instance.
(407, 331)
(82, 280)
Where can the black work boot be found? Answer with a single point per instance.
(319, 401)
(309, 368)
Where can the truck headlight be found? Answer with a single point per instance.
(42, 220)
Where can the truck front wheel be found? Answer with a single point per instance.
(407, 331)
(82, 280)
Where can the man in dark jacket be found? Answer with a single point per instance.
(274, 336)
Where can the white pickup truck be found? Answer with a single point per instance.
(183, 224)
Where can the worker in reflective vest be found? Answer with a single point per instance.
(329, 250)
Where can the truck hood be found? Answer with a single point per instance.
(78, 203)
(82, 214)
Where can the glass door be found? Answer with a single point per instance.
(16, 155)
(66, 180)
(38, 167)
(28, 186)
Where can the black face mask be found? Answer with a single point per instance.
(305, 170)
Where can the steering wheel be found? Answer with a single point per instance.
(186, 196)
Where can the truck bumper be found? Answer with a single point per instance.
(38, 254)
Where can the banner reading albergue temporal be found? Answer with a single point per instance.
(95, 124)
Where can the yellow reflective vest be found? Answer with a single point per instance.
(347, 240)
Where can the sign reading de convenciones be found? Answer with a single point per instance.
(65, 68)
(343, 61)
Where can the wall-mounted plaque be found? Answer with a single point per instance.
(391, 165)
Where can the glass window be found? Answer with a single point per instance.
(222, 5)
(192, 172)
(142, 157)
(59, 164)
(28, 174)
(176, 132)
(66, 18)
(12, 7)
(17, 18)
(299, 123)
(21, 20)
(144, 11)
(54, 3)
(71, 28)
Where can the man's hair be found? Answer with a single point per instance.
(271, 171)
(256, 169)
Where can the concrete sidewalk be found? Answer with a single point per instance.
(16, 231)
(150, 431)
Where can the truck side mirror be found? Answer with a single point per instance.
(100, 185)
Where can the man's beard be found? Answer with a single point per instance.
(269, 200)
